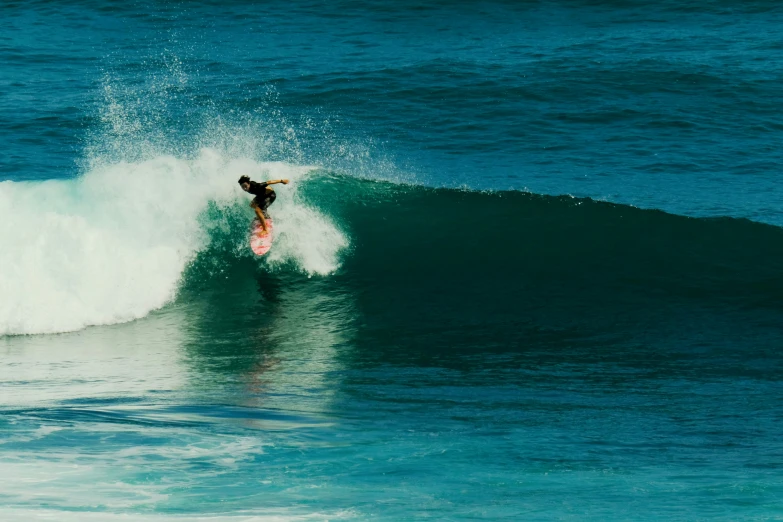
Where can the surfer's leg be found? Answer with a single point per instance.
(265, 204)
(271, 196)
(261, 217)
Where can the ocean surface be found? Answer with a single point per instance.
(529, 265)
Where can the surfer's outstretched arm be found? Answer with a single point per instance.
(276, 181)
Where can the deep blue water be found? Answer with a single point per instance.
(528, 266)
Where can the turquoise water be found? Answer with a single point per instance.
(528, 266)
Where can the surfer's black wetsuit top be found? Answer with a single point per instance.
(264, 197)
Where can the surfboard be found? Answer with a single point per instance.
(260, 243)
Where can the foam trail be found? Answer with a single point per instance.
(111, 245)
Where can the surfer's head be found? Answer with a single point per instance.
(244, 182)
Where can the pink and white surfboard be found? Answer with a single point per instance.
(261, 242)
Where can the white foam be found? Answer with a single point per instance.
(111, 245)
(304, 236)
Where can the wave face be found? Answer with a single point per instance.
(120, 242)
(111, 246)
(500, 260)
(437, 266)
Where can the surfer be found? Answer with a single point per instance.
(264, 196)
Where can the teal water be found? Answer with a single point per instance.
(528, 266)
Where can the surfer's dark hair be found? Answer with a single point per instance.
(244, 179)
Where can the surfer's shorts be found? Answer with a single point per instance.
(263, 202)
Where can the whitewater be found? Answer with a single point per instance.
(111, 245)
